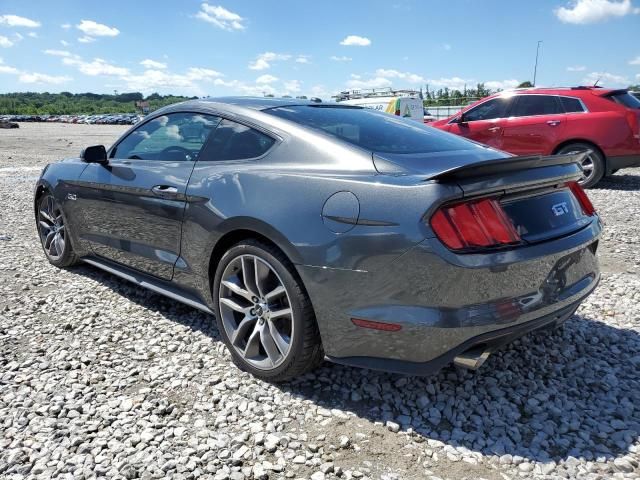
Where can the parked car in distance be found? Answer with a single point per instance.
(318, 231)
(551, 121)
(428, 117)
(403, 103)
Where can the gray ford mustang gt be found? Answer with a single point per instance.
(319, 231)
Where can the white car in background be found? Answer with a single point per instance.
(404, 103)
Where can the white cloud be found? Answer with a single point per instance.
(196, 73)
(5, 42)
(593, 11)
(64, 43)
(152, 80)
(18, 37)
(606, 79)
(377, 82)
(406, 76)
(319, 91)
(340, 59)
(264, 60)
(635, 61)
(6, 68)
(58, 53)
(148, 63)
(220, 17)
(34, 77)
(95, 29)
(576, 68)
(266, 79)
(66, 26)
(303, 59)
(501, 84)
(32, 34)
(355, 40)
(86, 39)
(97, 67)
(16, 21)
(452, 83)
(292, 86)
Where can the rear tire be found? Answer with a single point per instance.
(53, 232)
(593, 164)
(263, 313)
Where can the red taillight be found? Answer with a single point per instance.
(478, 223)
(581, 195)
(633, 117)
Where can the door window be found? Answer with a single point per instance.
(171, 137)
(531, 105)
(571, 105)
(233, 141)
(495, 108)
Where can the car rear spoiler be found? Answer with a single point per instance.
(511, 164)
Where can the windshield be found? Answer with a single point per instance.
(371, 130)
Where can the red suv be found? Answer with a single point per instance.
(557, 120)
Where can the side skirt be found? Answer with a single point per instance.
(149, 282)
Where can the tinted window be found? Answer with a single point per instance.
(530, 105)
(172, 137)
(233, 141)
(571, 104)
(626, 99)
(495, 108)
(372, 130)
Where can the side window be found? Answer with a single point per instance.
(571, 105)
(171, 137)
(495, 108)
(530, 105)
(233, 141)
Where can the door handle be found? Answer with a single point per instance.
(164, 191)
(553, 123)
(494, 129)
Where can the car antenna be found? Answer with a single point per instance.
(598, 80)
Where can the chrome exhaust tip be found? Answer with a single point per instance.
(472, 359)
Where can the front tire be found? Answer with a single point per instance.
(593, 165)
(53, 232)
(263, 313)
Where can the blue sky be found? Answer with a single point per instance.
(223, 47)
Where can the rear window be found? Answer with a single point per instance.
(626, 99)
(371, 130)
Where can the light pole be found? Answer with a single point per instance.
(535, 68)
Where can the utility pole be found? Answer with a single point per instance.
(535, 69)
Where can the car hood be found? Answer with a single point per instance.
(429, 165)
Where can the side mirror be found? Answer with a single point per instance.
(461, 119)
(94, 154)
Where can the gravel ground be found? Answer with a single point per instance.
(100, 378)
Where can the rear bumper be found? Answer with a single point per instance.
(625, 161)
(490, 341)
(445, 302)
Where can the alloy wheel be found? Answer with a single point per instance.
(51, 227)
(256, 312)
(588, 167)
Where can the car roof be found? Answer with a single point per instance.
(574, 91)
(254, 103)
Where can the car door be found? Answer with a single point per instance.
(535, 125)
(484, 122)
(133, 207)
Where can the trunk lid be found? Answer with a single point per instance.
(534, 192)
